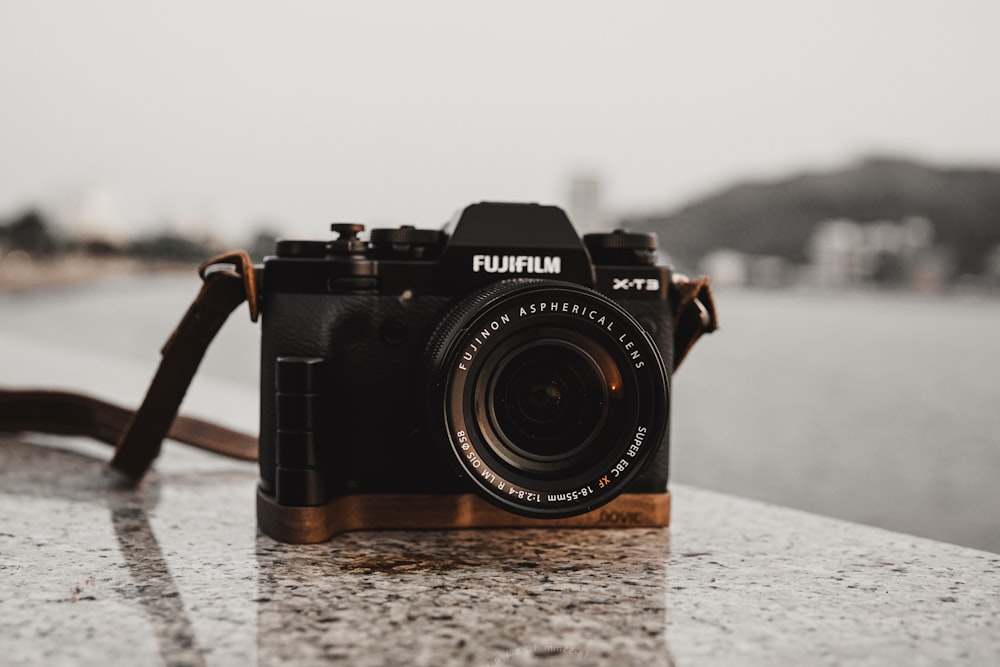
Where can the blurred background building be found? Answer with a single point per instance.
(586, 209)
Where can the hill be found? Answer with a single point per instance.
(777, 218)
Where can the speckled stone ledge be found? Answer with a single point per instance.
(176, 574)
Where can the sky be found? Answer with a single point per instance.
(232, 115)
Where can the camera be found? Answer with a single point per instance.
(502, 371)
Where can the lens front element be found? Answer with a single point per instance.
(550, 400)
(547, 399)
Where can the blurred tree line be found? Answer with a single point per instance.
(32, 233)
(28, 232)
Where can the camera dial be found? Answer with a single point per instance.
(406, 242)
(622, 247)
(347, 243)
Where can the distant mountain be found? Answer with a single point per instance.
(777, 218)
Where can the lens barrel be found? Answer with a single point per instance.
(550, 397)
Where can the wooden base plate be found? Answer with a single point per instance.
(305, 525)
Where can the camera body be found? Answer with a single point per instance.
(400, 373)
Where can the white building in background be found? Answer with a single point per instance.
(585, 205)
(844, 253)
(732, 268)
(836, 253)
(726, 267)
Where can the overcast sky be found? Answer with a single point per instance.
(301, 113)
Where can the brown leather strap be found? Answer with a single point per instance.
(228, 281)
(694, 313)
(68, 413)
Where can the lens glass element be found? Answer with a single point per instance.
(548, 399)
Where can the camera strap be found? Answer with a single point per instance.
(227, 281)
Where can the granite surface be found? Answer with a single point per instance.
(176, 573)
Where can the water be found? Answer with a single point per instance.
(878, 408)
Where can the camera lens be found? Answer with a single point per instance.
(549, 395)
(548, 399)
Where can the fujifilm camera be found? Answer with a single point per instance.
(502, 371)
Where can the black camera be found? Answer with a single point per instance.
(409, 377)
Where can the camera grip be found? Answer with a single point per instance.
(299, 476)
